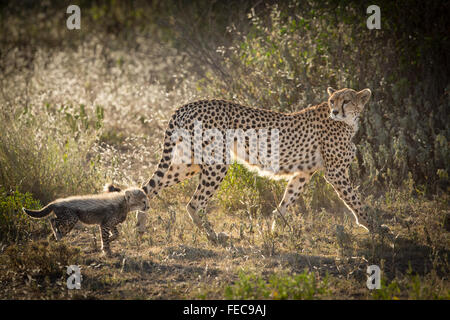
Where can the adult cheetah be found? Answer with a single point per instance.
(300, 143)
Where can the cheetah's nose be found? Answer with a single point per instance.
(335, 112)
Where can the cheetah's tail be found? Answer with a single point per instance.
(45, 211)
(152, 186)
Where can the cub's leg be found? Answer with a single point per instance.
(340, 181)
(65, 220)
(105, 237)
(210, 178)
(291, 193)
(141, 222)
(55, 229)
(114, 234)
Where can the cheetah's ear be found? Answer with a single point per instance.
(363, 96)
(330, 91)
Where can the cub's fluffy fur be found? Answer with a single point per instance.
(141, 217)
(106, 209)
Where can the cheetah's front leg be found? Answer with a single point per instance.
(340, 181)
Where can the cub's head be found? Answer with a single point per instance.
(136, 199)
(346, 104)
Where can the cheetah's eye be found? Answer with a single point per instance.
(331, 102)
(346, 101)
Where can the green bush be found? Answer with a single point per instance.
(304, 286)
(245, 190)
(412, 287)
(15, 225)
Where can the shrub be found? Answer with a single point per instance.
(413, 287)
(14, 224)
(303, 286)
(245, 190)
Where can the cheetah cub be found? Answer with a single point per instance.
(106, 210)
(141, 217)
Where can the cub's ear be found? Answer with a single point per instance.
(330, 91)
(363, 96)
(128, 195)
(111, 188)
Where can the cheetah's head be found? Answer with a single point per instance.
(136, 199)
(346, 104)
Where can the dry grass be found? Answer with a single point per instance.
(175, 261)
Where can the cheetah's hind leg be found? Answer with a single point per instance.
(292, 192)
(210, 178)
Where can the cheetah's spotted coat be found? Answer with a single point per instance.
(315, 138)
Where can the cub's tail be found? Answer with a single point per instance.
(45, 211)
